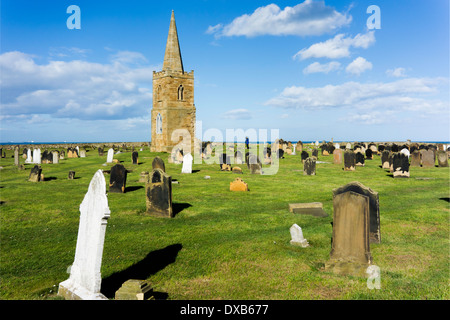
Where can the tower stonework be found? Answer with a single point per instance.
(173, 99)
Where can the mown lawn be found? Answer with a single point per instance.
(223, 244)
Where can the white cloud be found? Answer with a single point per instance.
(397, 72)
(316, 67)
(411, 95)
(237, 114)
(305, 19)
(75, 89)
(358, 66)
(337, 47)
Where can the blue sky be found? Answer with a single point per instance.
(312, 69)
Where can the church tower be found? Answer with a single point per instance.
(173, 97)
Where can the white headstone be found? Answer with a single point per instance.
(85, 278)
(294, 148)
(187, 163)
(29, 158)
(55, 155)
(337, 145)
(317, 143)
(110, 156)
(37, 156)
(297, 236)
(83, 153)
(405, 151)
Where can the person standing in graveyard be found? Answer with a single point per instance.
(246, 142)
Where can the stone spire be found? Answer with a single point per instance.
(172, 57)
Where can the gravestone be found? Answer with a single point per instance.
(254, 165)
(315, 153)
(237, 170)
(16, 156)
(85, 279)
(405, 151)
(37, 156)
(158, 191)
(135, 157)
(62, 155)
(55, 155)
(35, 174)
(385, 159)
(349, 161)
(350, 248)
(29, 157)
(369, 154)
(309, 167)
(187, 163)
(359, 159)
(225, 163)
(442, 158)
(117, 179)
(110, 156)
(312, 208)
(428, 159)
(337, 156)
(46, 157)
(134, 290)
(100, 151)
(374, 206)
(158, 163)
(297, 238)
(238, 185)
(304, 155)
(238, 157)
(71, 175)
(82, 153)
(400, 165)
(415, 159)
(143, 176)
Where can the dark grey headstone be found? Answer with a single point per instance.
(118, 179)
(349, 161)
(309, 167)
(134, 157)
(158, 191)
(35, 174)
(158, 163)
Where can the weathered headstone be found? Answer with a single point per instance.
(309, 167)
(312, 208)
(297, 238)
(110, 156)
(187, 163)
(359, 159)
(337, 156)
(415, 159)
(16, 156)
(304, 155)
(134, 290)
(385, 159)
(158, 191)
(374, 206)
(71, 175)
(428, 159)
(315, 153)
(400, 165)
(82, 153)
(85, 279)
(117, 179)
(100, 151)
(143, 176)
(369, 154)
(442, 158)
(350, 248)
(238, 157)
(135, 157)
(349, 161)
(158, 163)
(35, 174)
(237, 170)
(238, 185)
(55, 155)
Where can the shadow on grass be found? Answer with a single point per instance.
(445, 199)
(49, 178)
(178, 207)
(151, 264)
(133, 188)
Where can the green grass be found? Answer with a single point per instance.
(223, 244)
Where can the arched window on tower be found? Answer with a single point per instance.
(159, 124)
(180, 92)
